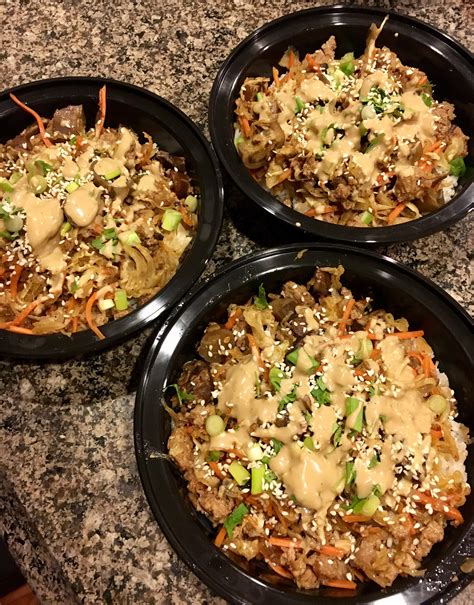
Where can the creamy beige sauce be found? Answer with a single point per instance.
(124, 144)
(316, 477)
(70, 169)
(82, 205)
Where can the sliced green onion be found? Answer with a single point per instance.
(457, 167)
(276, 376)
(352, 403)
(43, 167)
(121, 300)
(171, 220)
(15, 177)
(277, 445)
(362, 129)
(256, 484)
(309, 443)
(235, 518)
(259, 96)
(336, 435)
(261, 299)
(254, 452)
(214, 425)
(346, 64)
(437, 404)
(191, 203)
(349, 473)
(213, 456)
(366, 217)
(14, 223)
(113, 174)
(72, 186)
(240, 474)
(38, 183)
(370, 505)
(105, 303)
(427, 100)
(374, 461)
(376, 141)
(8, 236)
(365, 348)
(5, 185)
(359, 423)
(299, 104)
(98, 243)
(293, 356)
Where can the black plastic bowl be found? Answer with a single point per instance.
(448, 65)
(394, 287)
(174, 132)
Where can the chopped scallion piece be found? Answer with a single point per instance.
(214, 456)
(346, 64)
(359, 423)
(105, 303)
(376, 141)
(427, 100)
(309, 443)
(277, 445)
(352, 403)
(38, 183)
(235, 518)
(240, 473)
(121, 300)
(276, 376)
(299, 104)
(72, 186)
(181, 394)
(259, 96)
(15, 177)
(370, 506)
(5, 185)
(374, 461)
(43, 167)
(256, 484)
(287, 399)
(214, 425)
(260, 300)
(170, 220)
(366, 218)
(457, 167)
(113, 174)
(293, 357)
(350, 473)
(66, 227)
(191, 203)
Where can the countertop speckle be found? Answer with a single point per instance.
(71, 505)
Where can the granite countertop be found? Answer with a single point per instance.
(71, 504)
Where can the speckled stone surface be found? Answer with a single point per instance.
(71, 505)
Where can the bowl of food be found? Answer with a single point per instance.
(301, 429)
(348, 123)
(111, 204)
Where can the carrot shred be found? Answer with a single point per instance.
(371, 336)
(311, 212)
(15, 278)
(438, 505)
(291, 58)
(285, 542)
(237, 453)
(375, 354)
(436, 433)
(230, 323)
(36, 116)
(433, 147)
(19, 329)
(102, 111)
(423, 81)
(345, 316)
(75, 324)
(20, 318)
(90, 319)
(312, 63)
(355, 518)
(407, 335)
(217, 471)
(399, 208)
(220, 537)
(280, 570)
(276, 77)
(332, 551)
(347, 584)
(245, 126)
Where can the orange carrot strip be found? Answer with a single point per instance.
(332, 551)
(281, 571)
(291, 59)
(285, 542)
(345, 316)
(276, 77)
(311, 212)
(102, 111)
(237, 453)
(220, 537)
(230, 323)
(185, 216)
(312, 63)
(90, 319)
(36, 116)
(347, 584)
(355, 518)
(15, 278)
(399, 208)
(433, 147)
(438, 505)
(375, 354)
(436, 433)
(74, 326)
(371, 336)
(428, 366)
(406, 335)
(245, 126)
(423, 81)
(19, 329)
(20, 318)
(217, 471)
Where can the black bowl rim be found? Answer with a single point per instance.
(453, 211)
(15, 345)
(196, 564)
